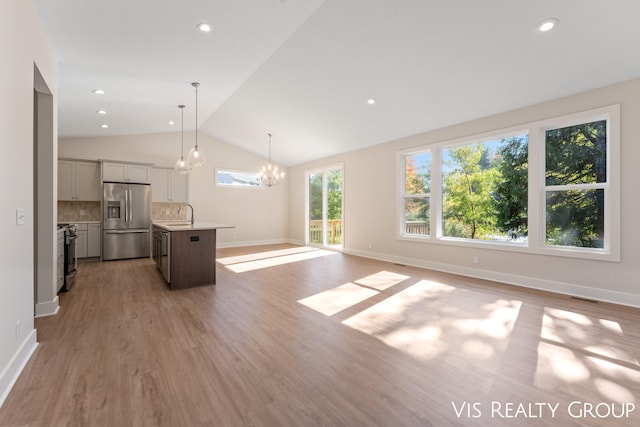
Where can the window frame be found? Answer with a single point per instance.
(537, 188)
(402, 155)
(219, 184)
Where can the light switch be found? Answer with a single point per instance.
(19, 216)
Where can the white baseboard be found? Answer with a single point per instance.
(295, 242)
(250, 243)
(572, 289)
(48, 308)
(11, 373)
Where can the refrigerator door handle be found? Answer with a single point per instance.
(125, 231)
(129, 212)
(126, 206)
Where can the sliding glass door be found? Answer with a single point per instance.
(325, 207)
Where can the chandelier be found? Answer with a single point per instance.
(269, 175)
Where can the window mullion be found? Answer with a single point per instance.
(435, 201)
(536, 194)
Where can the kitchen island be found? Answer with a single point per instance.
(185, 253)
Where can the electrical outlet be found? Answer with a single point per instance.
(476, 259)
(81, 212)
(370, 245)
(18, 332)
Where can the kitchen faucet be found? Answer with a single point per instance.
(192, 214)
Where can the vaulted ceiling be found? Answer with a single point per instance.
(304, 70)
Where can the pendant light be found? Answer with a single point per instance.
(196, 157)
(181, 164)
(269, 175)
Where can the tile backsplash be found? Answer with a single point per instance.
(167, 212)
(79, 211)
(90, 211)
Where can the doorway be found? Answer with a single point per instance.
(325, 206)
(44, 199)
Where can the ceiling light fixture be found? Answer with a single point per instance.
(98, 91)
(204, 27)
(101, 112)
(171, 122)
(547, 25)
(371, 101)
(104, 126)
(181, 165)
(196, 158)
(269, 174)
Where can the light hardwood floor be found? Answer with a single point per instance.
(294, 336)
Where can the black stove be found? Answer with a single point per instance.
(69, 229)
(70, 260)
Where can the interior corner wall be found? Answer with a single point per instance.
(258, 214)
(371, 198)
(45, 268)
(23, 43)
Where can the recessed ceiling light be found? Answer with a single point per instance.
(102, 112)
(104, 126)
(547, 25)
(371, 101)
(98, 91)
(204, 27)
(171, 122)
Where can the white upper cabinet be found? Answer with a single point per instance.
(169, 186)
(78, 181)
(126, 172)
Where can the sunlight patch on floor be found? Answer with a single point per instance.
(614, 392)
(561, 363)
(337, 299)
(569, 352)
(428, 320)
(263, 255)
(381, 280)
(273, 261)
(497, 324)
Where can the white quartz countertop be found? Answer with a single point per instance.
(187, 226)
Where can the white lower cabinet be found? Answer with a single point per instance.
(88, 245)
(93, 240)
(81, 241)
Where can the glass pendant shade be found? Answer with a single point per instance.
(181, 165)
(269, 175)
(196, 157)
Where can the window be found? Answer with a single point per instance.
(484, 190)
(549, 187)
(416, 193)
(231, 178)
(576, 182)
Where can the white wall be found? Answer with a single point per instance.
(23, 44)
(370, 207)
(259, 215)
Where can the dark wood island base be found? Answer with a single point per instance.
(193, 258)
(191, 254)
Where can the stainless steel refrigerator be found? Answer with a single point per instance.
(126, 222)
